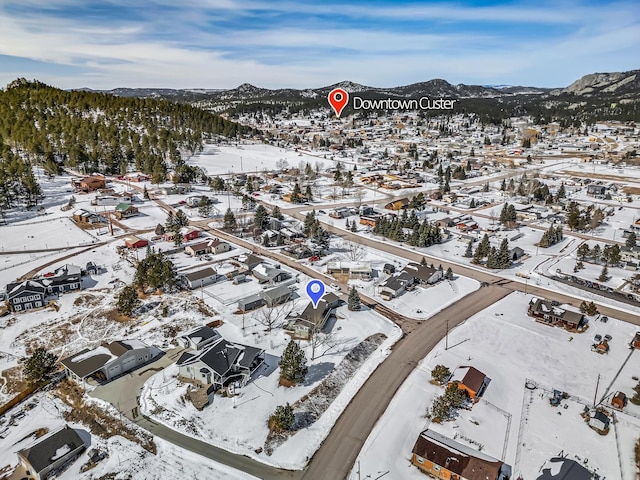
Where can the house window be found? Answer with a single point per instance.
(545, 316)
(420, 460)
(38, 304)
(436, 468)
(18, 307)
(27, 306)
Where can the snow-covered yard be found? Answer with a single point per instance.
(239, 424)
(510, 347)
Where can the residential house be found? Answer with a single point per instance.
(251, 302)
(220, 363)
(267, 274)
(312, 320)
(187, 233)
(547, 312)
(424, 275)
(26, 295)
(630, 254)
(51, 452)
(132, 242)
(200, 278)
(249, 262)
(471, 380)
(112, 199)
(108, 360)
(86, 217)
(125, 210)
(399, 204)
(351, 270)
(597, 191)
(199, 338)
(599, 421)
(213, 246)
(276, 296)
(389, 268)
(443, 458)
(395, 285)
(88, 184)
(369, 220)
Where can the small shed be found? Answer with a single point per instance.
(636, 341)
(619, 400)
(599, 421)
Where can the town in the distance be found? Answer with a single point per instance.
(276, 285)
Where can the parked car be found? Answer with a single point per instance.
(608, 337)
(314, 258)
(604, 319)
(335, 286)
(597, 338)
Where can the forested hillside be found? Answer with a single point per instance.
(94, 132)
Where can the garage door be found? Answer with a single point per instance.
(128, 364)
(115, 370)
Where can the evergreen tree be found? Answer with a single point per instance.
(503, 258)
(583, 251)
(631, 240)
(423, 262)
(261, 217)
(484, 246)
(204, 206)
(469, 251)
(265, 241)
(276, 213)
(561, 191)
(596, 253)
(353, 302)
(449, 274)
(307, 194)
(229, 221)
(128, 300)
(145, 193)
(39, 366)
(604, 274)
(155, 271)
(440, 373)
(492, 259)
(296, 194)
(293, 364)
(282, 419)
(180, 219)
(592, 309)
(636, 396)
(354, 226)
(573, 215)
(159, 229)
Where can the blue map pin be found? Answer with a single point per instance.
(315, 291)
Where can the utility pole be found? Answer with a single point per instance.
(446, 337)
(595, 395)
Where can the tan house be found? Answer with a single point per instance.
(213, 246)
(51, 452)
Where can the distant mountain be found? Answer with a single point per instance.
(619, 84)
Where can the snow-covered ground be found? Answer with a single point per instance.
(239, 424)
(510, 347)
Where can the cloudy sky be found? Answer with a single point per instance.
(273, 43)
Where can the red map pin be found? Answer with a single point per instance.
(338, 99)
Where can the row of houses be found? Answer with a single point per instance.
(33, 293)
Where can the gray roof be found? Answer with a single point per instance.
(221, 356)
(200, 274)
(85, 363)
(276, 293)
(41, 454)
(203, 333)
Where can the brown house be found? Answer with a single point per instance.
(636, 341)
(89, 184)
(125, 210)
(551, 314)
(369, 220)
(444, 458)
(471, 380)
(397, 204)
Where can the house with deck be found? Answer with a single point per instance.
(443, 458)
(550, 313)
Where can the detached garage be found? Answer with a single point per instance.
(135, 242)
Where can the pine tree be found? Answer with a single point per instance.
(277, 213)
(229, 220)
(265, 241)
(296, 194)
(469, 251)
(204, 206)
(159, 229)
(592, 309)
(261, 217)
(354, 226)
(293, 364)
(583, 251)
(636, 396)
(181, 219)
(307, 193)
(423, 262)
(492, 258)
(39, 366)
(449, 274)
(604, 274)
(484, 246)
(503, 257)
(177, 235)
(353, 302)
(127, 300)
(440, 373)
(282, 419)
(145, 193)
(631, 240)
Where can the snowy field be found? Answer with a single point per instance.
(510, 347)
(125, 459)
(239, 424)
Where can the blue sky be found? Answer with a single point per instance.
(273, 43)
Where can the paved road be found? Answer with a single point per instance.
(336, 457)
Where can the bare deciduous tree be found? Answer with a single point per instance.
(274, 317)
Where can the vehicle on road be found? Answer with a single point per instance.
(335, 286)
(314, 258)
